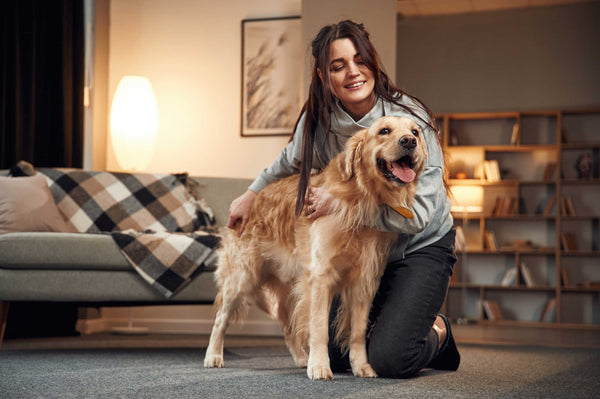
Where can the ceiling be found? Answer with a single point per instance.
(412, 8)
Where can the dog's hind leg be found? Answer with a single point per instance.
(230, 298)
(291, 335)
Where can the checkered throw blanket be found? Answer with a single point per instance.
(167, 261)
(159, 221)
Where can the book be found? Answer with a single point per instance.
(492, 170)
(565, 277)
(504, 206)
(568, 241)
(549, 171)
(549, 206)
(569, 207)
(510, 277)
(513, 206)
(526, 275)
(514, 137)
(549, 311)
(490, 241)
(499, 206)
(562, 206)
(479, 172)
(492, 310)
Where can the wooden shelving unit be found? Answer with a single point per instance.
(535, 153)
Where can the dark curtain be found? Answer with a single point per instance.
(41, 82)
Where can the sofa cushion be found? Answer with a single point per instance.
(26, 204)
(61, 251)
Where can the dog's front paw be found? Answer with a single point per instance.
(213, 361)
(318, 372)
(364, 371)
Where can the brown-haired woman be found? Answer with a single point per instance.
(349, 90)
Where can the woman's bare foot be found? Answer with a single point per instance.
(448, 357)
(440, 328)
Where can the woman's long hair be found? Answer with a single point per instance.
(321, 101)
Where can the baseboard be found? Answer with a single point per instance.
(179, 326)
(91, 326)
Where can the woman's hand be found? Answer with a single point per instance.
(318, 202)
(239, 210)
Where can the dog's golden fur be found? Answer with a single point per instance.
(292, 266)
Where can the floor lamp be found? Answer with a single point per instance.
(133, 133)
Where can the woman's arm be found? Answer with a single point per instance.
(286, 164)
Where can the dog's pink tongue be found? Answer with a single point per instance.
(402, 172)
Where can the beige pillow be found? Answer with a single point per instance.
(26, 204)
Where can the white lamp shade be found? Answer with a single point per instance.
(134, 123)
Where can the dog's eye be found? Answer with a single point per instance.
(415, 132)
(385, 130)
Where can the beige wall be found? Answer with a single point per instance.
(191, 51)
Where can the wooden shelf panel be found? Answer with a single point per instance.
(506, 182)
(579, 146)
(483, 115)
(580, 218)
(580, 182)
(521, 323)
(583, 290)
(580, 253)
(539, 252)
(533, 218)
(506, 148)
(496, 287)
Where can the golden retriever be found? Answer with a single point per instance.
(292, 267)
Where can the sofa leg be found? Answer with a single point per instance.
(3, 317)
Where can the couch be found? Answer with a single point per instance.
(90, 270)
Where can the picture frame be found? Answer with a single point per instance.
(271, 76)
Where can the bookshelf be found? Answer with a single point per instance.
(532, 252)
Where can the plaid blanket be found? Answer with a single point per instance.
(94, 202)
(167, 261)
(159, 221)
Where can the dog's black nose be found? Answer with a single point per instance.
(408, 142)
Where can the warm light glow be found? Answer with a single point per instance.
(467, 199)
(134, 123)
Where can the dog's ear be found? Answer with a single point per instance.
(353, 156)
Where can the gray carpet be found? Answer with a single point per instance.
(268, 372)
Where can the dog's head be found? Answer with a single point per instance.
(392, 152)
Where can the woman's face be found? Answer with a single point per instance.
(351, 81)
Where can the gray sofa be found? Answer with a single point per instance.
(88, 269)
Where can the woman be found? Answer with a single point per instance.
(349, 90)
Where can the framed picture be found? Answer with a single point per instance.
(271, 76)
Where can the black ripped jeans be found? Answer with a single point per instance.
(401, 341)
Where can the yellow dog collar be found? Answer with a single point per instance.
(407, 213)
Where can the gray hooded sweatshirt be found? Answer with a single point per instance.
(432, 206)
